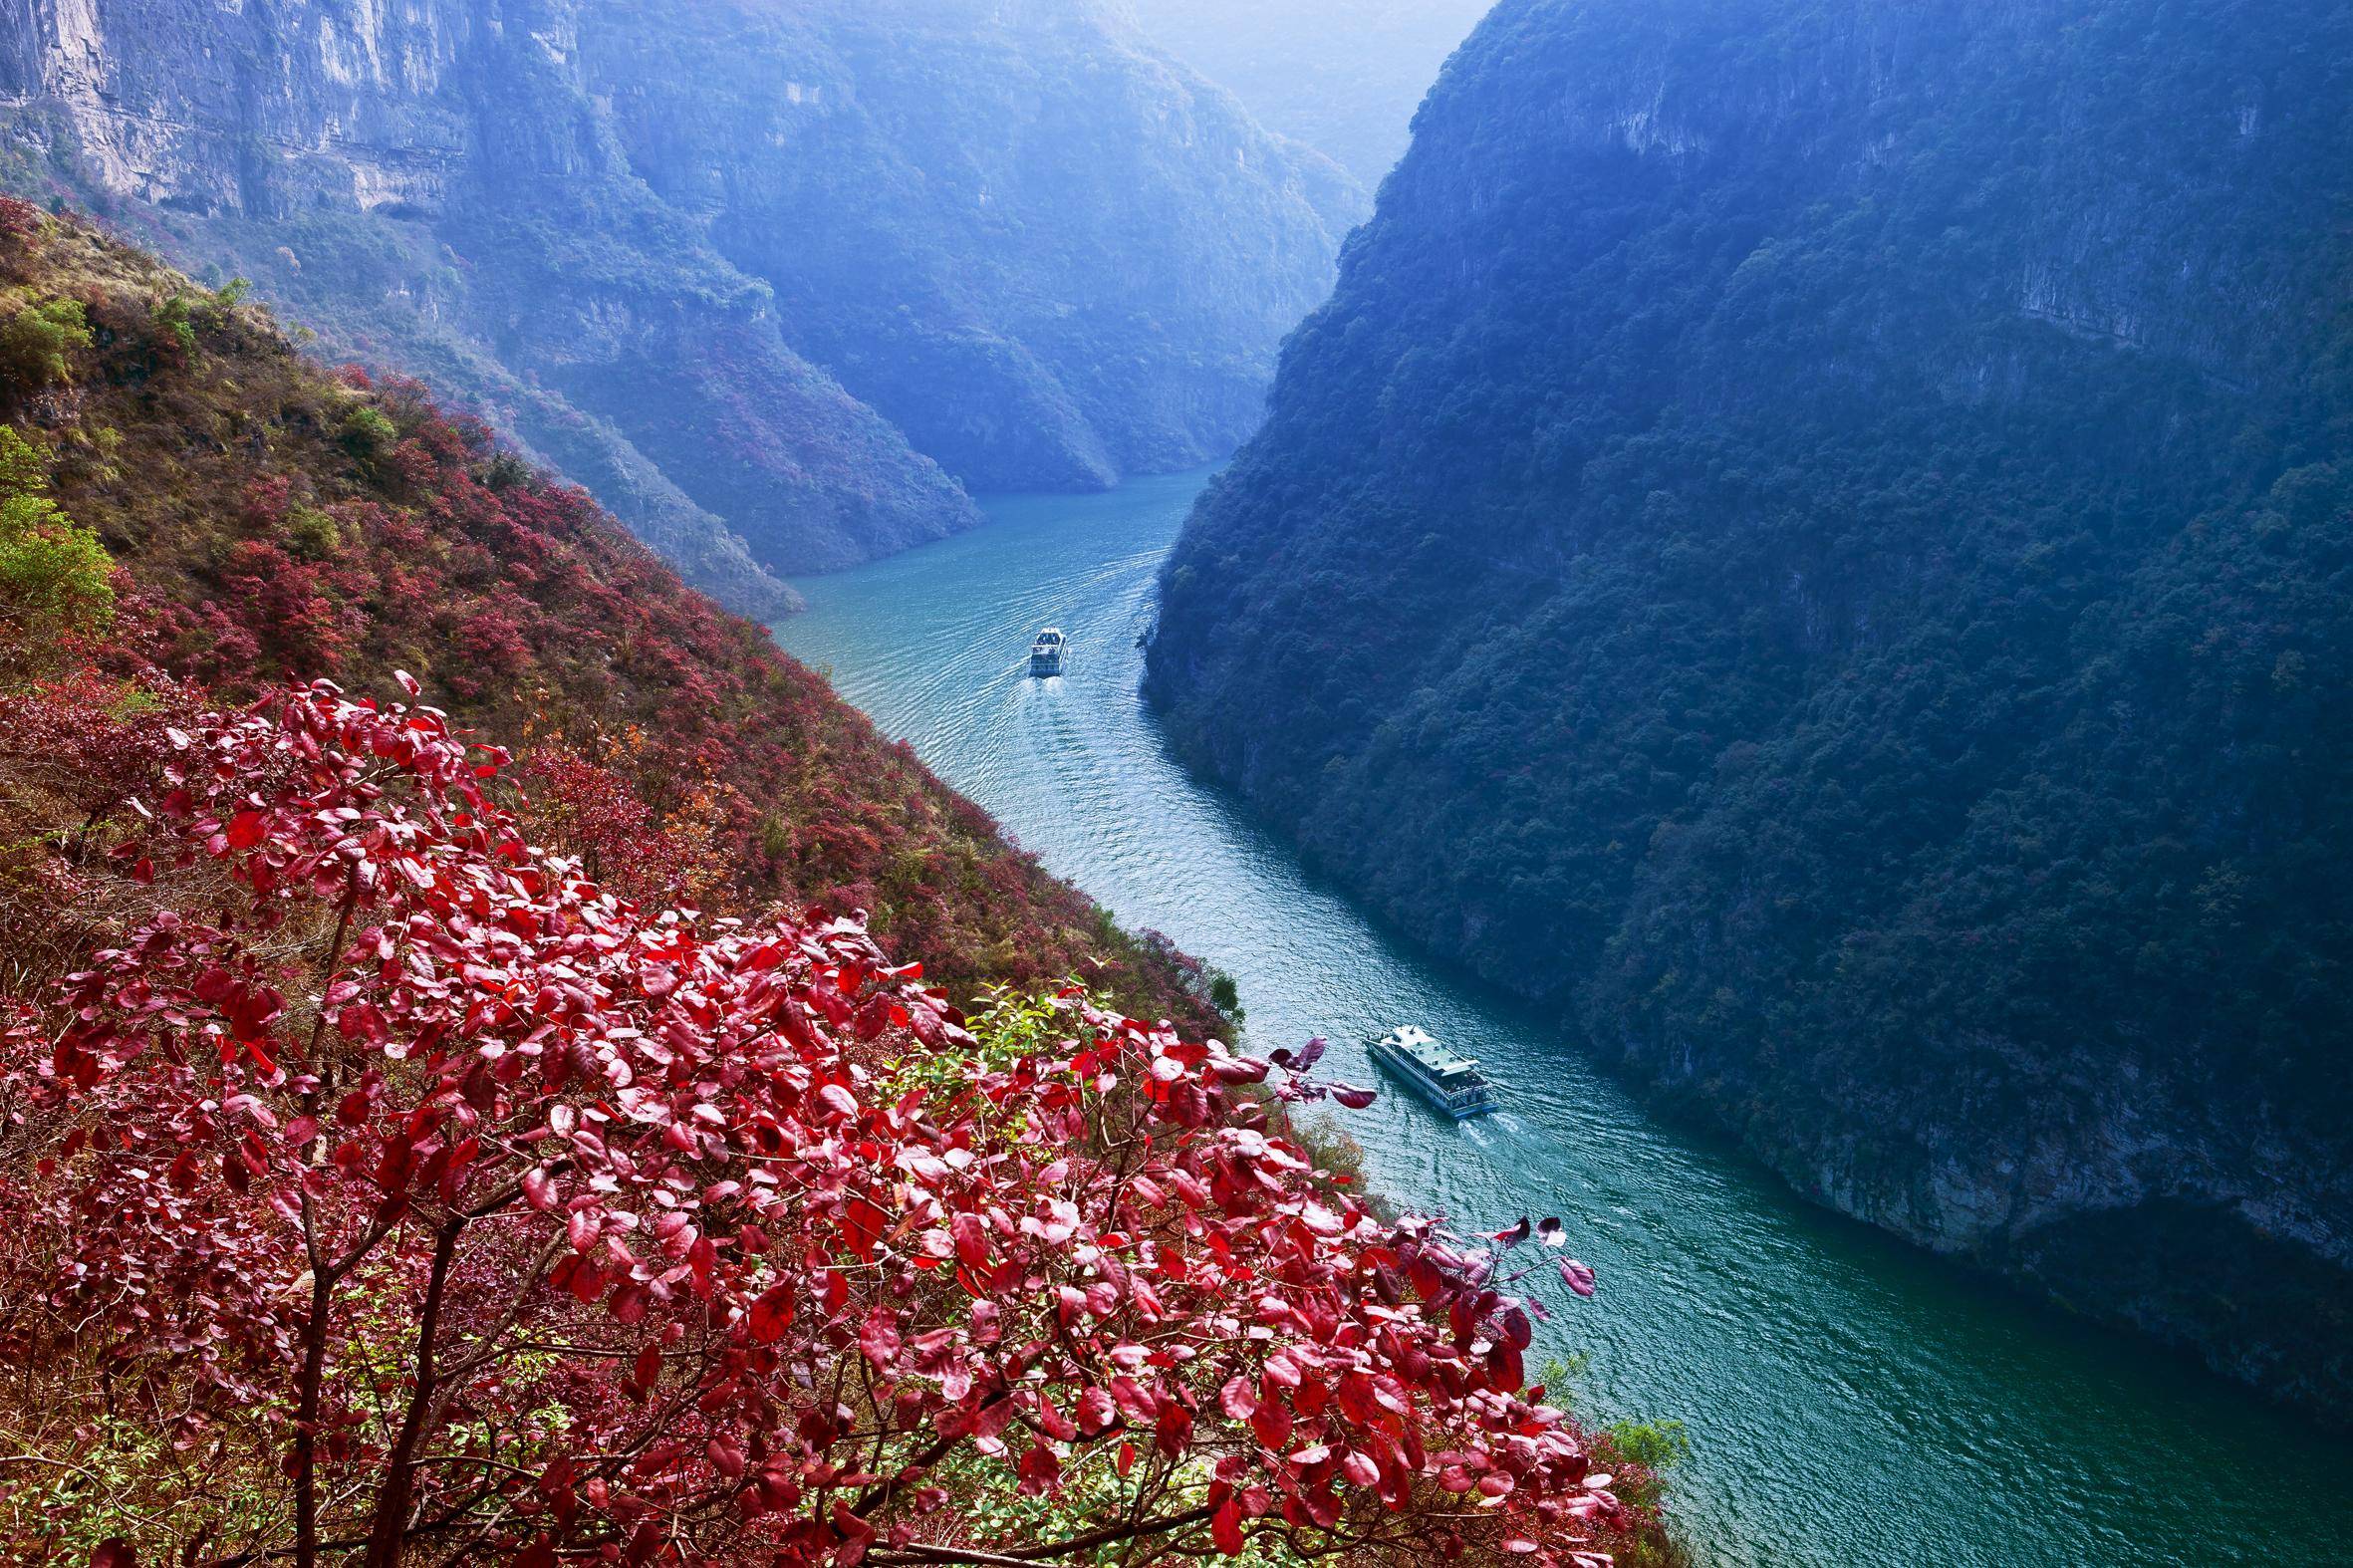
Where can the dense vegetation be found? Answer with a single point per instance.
(1819, 539)
(398, 1166)
(390, 1192)
(267, 518)
(752, 274)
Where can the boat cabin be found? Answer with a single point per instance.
(1444, 1081)
(1045, 653)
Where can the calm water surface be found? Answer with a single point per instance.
(1852, 1401)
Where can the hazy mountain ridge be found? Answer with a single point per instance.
(1047, 253)
(1817, 538)
(1340, 76)
(654, 244)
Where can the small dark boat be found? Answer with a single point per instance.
(1045, 655)
(1449, 1084)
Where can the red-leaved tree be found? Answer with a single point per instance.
(513, 1221)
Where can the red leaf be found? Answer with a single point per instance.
(1039, 1471)
(1225, 1527)
(972, 1238)
(645, 1373)
(1096, 1414)
(878, 1337)
(772, 1314)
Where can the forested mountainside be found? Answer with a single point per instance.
(1341, 76)
(267, 519)
(1818, 540)
(774, 291)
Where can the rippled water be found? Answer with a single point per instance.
(1852, 1401)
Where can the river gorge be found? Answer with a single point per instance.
(1850, 1401)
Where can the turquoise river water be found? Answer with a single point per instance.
(1852, 1401)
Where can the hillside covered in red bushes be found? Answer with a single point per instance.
(267, 518)
(418, 1149)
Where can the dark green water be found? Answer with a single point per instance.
(1853, 1401)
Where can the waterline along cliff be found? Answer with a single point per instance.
(1815, 541)
(777, 284)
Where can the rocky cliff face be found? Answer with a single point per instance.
(754, 274)
(1816, 539)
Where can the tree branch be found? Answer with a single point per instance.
(919, 1552)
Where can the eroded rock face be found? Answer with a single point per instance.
(777, 284)
(1814, 539)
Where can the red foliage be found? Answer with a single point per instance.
(92, 741)
(284, 601)
(531, 1221)
(20, 221)
(524, 608)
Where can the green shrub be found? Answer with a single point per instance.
(312, 535)
(1653, 1445)
(177, 317)
(37, 338)
(368, 432)
(1012, 1025)
(53, 571)
(776, 837)
(505, 471)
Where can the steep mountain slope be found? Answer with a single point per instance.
(1047, 254)
(1817, 538)
(1341, 76)
(267, 519)
(689, 253)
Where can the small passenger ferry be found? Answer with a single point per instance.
(1045, 655)
(1448, 1083)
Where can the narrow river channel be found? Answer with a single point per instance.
(1851, 1402)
